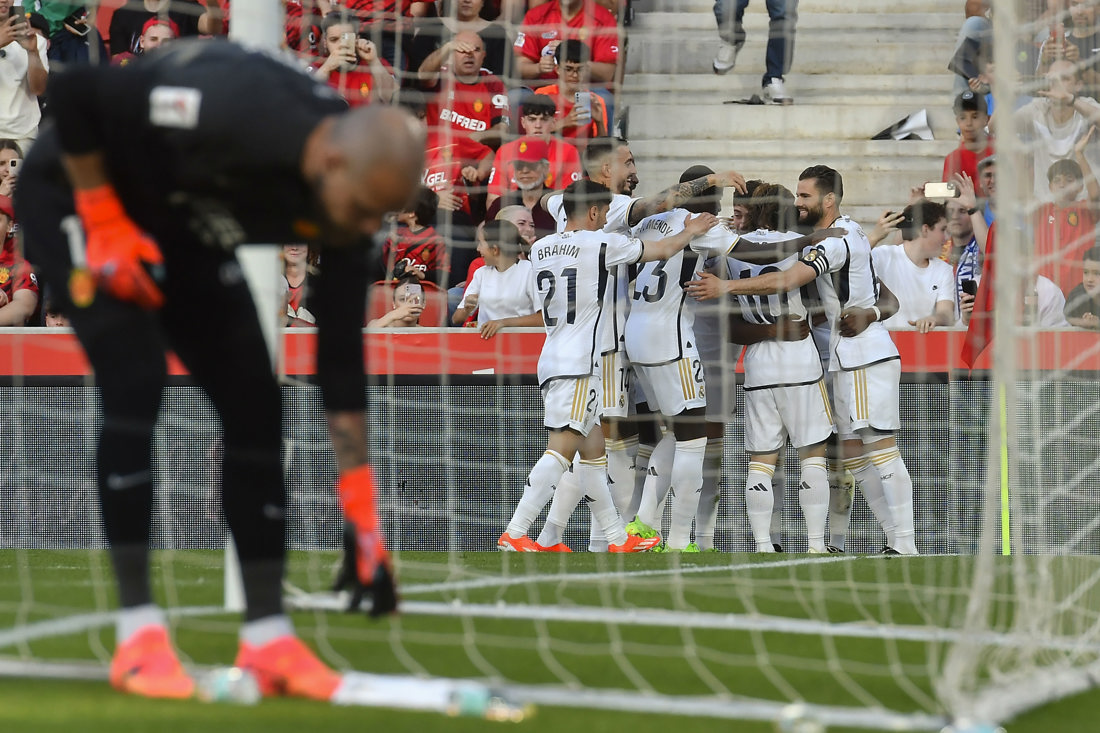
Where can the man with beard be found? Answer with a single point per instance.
(128, 248)
(537, 120)
(864, 365)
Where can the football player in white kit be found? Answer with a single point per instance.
(571, 275)
(865, 367)
(610, 162)
(664, 352)
(785, 393)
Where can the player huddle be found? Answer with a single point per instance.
(646, 318)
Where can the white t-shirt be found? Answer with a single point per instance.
(502, 294)
(1052, 304)
(659, 326)
(19, 112)
(846, 279)
(571, 273)
(918, 289)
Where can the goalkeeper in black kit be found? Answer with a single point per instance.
(132, 204)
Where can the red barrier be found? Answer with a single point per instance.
(51, 352)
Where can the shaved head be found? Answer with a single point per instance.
(370, 165)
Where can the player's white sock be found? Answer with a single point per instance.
(620, 476)
(263, 630)
(758, 503)
(657, 480)
(620, 471)
(707, 516)
(779, 494)
(813, 497)
(870, 483)
(687, 483)
(841, 491)
(592, 477)
(898, 487)
(641, 467)
(545, 474)
(128, 621)
(567, 495)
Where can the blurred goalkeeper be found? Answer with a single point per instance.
(132, 205)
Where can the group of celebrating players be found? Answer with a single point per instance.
(642, 340)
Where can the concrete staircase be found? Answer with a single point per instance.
(859, 66)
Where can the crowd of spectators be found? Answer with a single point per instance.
(511, 95)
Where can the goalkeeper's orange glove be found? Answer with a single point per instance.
(366, 568)
(122, 258)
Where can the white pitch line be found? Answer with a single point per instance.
(513, 580)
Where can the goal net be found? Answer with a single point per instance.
(997, 616)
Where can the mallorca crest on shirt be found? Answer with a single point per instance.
(478, 105)
(5, 275)
(523, 147)
(1072, 218)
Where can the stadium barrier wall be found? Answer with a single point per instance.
(451, 410)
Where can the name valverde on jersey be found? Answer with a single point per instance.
(569, 278)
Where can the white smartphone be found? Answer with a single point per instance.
(945, 190)
(583, 102)
(414, 294)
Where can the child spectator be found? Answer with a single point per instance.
(1083, 303)
(972, 117)
(1065, 227)
(408, 304)
(501, 291)
(923, 283)
(415, 247)
(574, 69)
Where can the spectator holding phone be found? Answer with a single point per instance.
(11, 157)
(19, 296)
(923, 283)
(580, 113)
(24, 70)
(351, 64)
(408, 304)
(962, 252)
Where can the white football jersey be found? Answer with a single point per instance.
(570, 277)
(918, 289)
(846, 279)
(775, 363)
(617, 299)
(502, 294)
(659, 325)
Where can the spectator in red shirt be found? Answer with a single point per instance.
(154, 33)
(547, 25)
(415, 247)
(574, 70)
(537, 120)
(351, 64)
(468, 101)
(1065, 227)
(18, 284)
(302, 31)
(389, 23)
(974, 142)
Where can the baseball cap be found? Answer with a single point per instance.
(161, 21)
(986, 162)
(969, 101)
(532, 150)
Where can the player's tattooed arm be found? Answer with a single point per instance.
(676, 196)
(348, 430)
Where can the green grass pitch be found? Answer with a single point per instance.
(41, 585)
